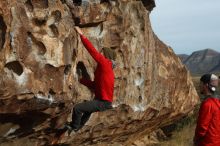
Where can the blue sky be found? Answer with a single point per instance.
(187, 25)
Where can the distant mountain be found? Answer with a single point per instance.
(203, 61)
(183, 57)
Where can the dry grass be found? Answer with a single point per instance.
(184, 137)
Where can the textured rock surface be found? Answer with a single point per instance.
(39, 53)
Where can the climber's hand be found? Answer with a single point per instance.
(78, 30)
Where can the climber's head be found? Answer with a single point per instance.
(208, 84)
(110, 54)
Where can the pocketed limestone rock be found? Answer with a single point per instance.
(39, 55)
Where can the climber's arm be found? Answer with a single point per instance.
(88, 83)
(90, 48)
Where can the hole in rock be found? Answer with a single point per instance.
(104, 1)
(114, 47)
(15, 66)
(67, 69)
(57, 15)
(77, 2)
(74, 55)
(140, 98)
(29, 5)
(51, 92)
(94, 24)
(3, 28)
(54, 30)
(39, 22)
(76, 21)
(70, 53)
(50, 67)
(41, 92)
(40, 4)
(26, 121)
(40, 46)
(149, 4)
(81, 70)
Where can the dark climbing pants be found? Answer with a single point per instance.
(82, 111)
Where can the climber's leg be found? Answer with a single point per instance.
(82, 111)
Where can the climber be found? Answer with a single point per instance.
(102, 86)
(207, 132)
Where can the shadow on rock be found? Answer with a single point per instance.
(26, 122)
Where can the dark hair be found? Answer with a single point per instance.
(206, 78)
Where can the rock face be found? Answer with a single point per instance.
(39, 55)
(203, 61)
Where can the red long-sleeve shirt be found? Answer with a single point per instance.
(208, 125)
(103, 84)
